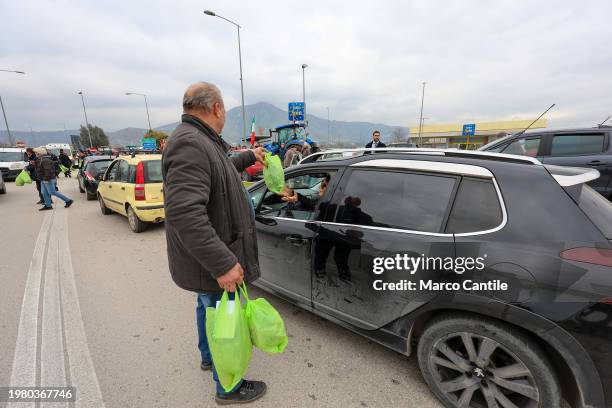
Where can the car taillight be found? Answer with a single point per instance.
(139, 189)
(597, 256)
(89, 176)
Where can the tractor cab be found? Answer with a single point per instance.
(285, 136)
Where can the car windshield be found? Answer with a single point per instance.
(98, 166)
(11, 156)
(597, 208)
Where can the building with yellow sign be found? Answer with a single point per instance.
(451, 135)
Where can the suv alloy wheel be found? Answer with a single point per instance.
(476, 362)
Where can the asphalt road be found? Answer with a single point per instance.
(86, 302)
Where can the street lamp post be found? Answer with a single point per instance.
(8, 131)
(146, 106)
(213, 14)
(304, 66)
(86, 121)
(421, 119)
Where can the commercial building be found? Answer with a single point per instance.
(451, 135)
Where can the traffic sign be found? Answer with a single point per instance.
(149, 143)
(296, 111)
(469, 129)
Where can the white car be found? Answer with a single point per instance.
(12, 161)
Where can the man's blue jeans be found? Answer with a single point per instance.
(208, 299)
(48, 189)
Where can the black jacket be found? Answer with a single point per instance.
(209, 221)
(65, 160)
(380, 144)
(45, 168)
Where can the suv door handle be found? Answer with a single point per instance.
(296, 240)
(596, 163)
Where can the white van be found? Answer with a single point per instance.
(55, 148)
(12, 161)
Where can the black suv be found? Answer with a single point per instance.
(586, 147)
(536, 231)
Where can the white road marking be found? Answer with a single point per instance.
(52, 362)
(60, 300)
(24, 363)
(82, 372)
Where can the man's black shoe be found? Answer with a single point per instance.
(68, 203)
(45, 208)
(40, 202)
(205, 366)
(249, 391)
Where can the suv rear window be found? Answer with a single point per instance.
(416, 202)
(152, 170)
(97, 167)
(568, 145)
(597, 208)
(476, 207)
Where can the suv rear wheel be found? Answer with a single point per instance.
(135, 224)
(475, 362)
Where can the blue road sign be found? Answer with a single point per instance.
(469, 129)
(296, 111)
(149, 143)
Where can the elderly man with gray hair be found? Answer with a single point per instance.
(210, 228)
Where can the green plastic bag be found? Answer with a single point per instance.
(273, 173)
(63, 168)
(229, 340)
(23, 178)
(265, 324)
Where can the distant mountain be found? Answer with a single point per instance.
(267, 116)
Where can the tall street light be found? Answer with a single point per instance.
(8, 131)
(146, 106)
(304, 66)
(421, 119)
(213, 14)
(86, 121)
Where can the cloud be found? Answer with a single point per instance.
(367, 60)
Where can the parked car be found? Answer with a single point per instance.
(12, 161)
(584, 147)
(252, 172)
(90, 174)
(2, 185)
(536, 228)
(132, 186)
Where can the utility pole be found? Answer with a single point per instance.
(8, 131)
(421, 118)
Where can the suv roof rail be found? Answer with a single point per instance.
(346, 153)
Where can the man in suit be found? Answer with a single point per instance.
(375, 143)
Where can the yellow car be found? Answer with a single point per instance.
(132, 186)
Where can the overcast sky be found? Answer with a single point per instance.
(367, 59)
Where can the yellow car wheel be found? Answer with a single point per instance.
(136, 224)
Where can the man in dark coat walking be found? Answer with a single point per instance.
(66, 162)
(210, 227)
(31, 168)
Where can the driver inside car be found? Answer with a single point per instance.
(303, 202)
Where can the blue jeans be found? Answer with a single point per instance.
(48, 190)
(209, 299)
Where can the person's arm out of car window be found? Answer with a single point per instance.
(187, 189)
